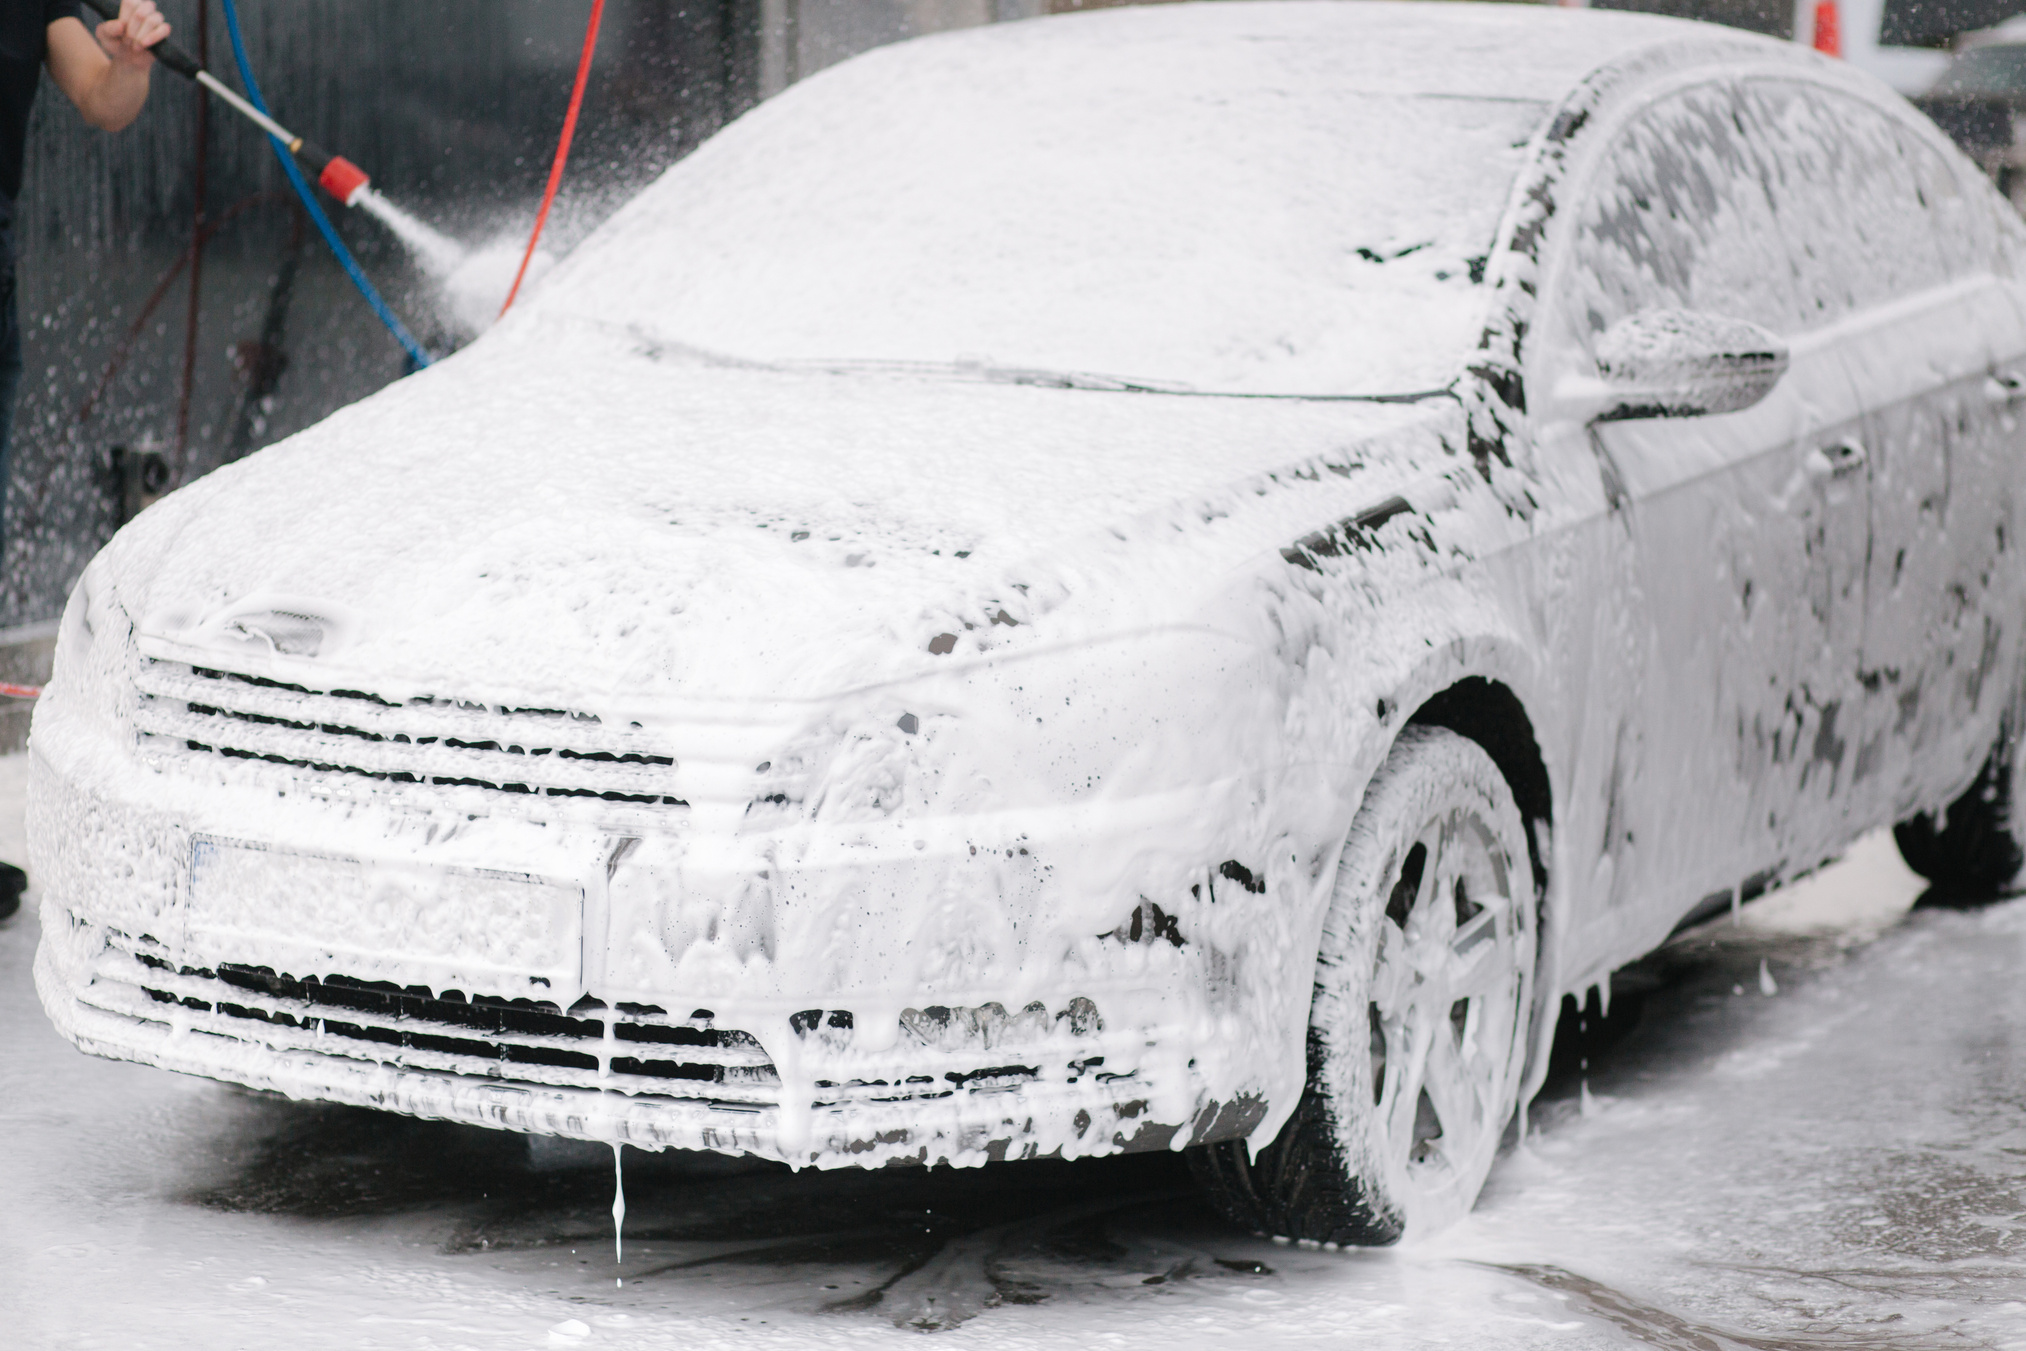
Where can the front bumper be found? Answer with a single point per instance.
(125, 1009)
(1120, 1048)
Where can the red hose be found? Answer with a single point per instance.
(20, 691)
(562, 147)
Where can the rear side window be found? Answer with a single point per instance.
(1867, 208)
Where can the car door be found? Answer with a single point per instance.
(1898, 253)
(1739, 566)
(1858, 200)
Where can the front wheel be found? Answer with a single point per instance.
(1418, 1031)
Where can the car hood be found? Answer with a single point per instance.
(562, 513)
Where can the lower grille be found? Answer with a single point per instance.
(512, 1024)
(647, 1052)
(635, 1049)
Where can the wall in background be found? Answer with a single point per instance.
(452, 106)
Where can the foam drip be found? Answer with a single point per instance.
(618, 1206)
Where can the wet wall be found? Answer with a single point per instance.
(452, 106)
(1935, 23)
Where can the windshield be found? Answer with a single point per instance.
(1226, 217)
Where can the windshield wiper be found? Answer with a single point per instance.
(1039, 378)
(655, 347)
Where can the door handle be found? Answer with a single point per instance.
(2006, 387)
(1838, 459)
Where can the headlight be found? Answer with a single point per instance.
(74, 634)
(93, 640)
(87, 616)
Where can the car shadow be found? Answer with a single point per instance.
(1697, 994)
(923, 1247)
(1682, 997)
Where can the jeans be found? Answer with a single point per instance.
(10, 376)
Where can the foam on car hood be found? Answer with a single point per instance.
(561, 515)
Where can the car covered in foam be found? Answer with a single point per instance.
(1155, 579)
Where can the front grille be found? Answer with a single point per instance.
(444, 743)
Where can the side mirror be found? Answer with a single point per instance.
(1679, 363)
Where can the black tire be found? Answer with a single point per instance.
(1973, 853)
(1436, 863)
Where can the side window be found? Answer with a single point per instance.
(2008, 254)
(1677, 216)
(1959, 201)
(1858, 197)
(1977, 230)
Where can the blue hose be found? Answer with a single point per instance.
(416, 353)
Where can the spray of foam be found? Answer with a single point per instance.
(473, 282)
(438, 254)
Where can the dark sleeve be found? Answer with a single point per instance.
(52, 10)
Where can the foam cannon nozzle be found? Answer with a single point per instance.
(335, 174)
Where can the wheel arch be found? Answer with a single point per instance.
(1488, 712)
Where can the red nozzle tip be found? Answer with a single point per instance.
(343, 179)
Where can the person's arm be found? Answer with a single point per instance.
(107, 78)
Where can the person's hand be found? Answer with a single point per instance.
(127, 39)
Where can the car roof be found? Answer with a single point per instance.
(1522, 51)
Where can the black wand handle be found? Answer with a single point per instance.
(165, 51)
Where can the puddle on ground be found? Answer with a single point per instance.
(1647, 1325)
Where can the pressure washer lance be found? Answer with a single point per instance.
(335, 174)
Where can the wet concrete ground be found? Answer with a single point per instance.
(1807, 1130)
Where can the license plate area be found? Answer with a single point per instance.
(310, 915)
